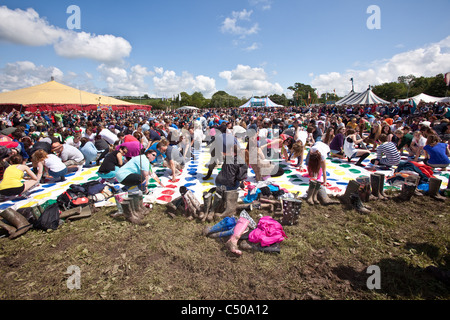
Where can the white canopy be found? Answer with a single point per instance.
(425, 98)
(188, 108)
(260, 103)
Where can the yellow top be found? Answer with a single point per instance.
(12, 178)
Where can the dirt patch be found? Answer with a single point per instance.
(325, 256)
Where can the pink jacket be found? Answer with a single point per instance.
(267, 232)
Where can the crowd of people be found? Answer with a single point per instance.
(125, 145)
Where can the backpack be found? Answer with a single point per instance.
(49, 219)
(71, 199)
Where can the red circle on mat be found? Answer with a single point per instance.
(165, 198)
(171, 186)
(168, 192)
(174, 181)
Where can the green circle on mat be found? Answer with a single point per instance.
(288, 171)
(305, 184)
(294, 176)
(94, 178)
(151, 186)
(283, 165)
(345, 166)
(297, 180)
(335, 161)
(151, 180)
(354, 171)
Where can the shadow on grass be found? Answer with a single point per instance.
(399, 280)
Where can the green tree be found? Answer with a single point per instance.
(302, 92)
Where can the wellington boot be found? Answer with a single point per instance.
(8, 227)
(16, 220)
(239, 230)
(434, 188)
(365, 191)
(129, 214)
(383, 195)
(311, 192)
(291, 211)
(71, 212)
(408, 190)
(357, 204)
(207, 202)
(352, 187)
(85, 212)
(230, 201)
(323, 198)
(215, 205)
(257, 169)
(317, 187)
(375, 185)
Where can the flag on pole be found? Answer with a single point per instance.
(447, 78)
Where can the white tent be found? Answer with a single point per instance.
(188, 108)
(366, 97)
(260, 103)
(423, 97)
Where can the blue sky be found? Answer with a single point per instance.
(245, 47)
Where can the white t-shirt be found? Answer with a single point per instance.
(53, 163)
(323, 149)
(421, 142)
(108, 136)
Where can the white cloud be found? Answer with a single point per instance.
(24, 74)
(253, 47)
(230, 24)
(427, 61)
(29, 29)
(245, 81)
(168, 83)
(264, 4)
(120, 81)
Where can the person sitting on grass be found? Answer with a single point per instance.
(436, 153)
(387, 153)
(350, 149)
(12, 184)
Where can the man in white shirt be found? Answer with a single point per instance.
(70, 156)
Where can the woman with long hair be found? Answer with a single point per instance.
(386, 129)
(50, 164)
(329, 136)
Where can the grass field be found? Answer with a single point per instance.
(325, 257)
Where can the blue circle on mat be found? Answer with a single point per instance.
(187, 185)
(342, 183)
(49, 185)
(5, 206)
(191, 179)
(70, 174)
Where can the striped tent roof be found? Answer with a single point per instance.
(367, 97)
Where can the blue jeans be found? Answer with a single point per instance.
(230, 188)
(59, 174)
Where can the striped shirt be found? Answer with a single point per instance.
(388, 154)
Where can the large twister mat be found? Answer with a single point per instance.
(296, 181)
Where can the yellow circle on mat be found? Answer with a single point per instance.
(207, 184)
(331, 167)
(42, 196)
(30, 204)
(339, 172)
(347, 179)
(77, 179)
